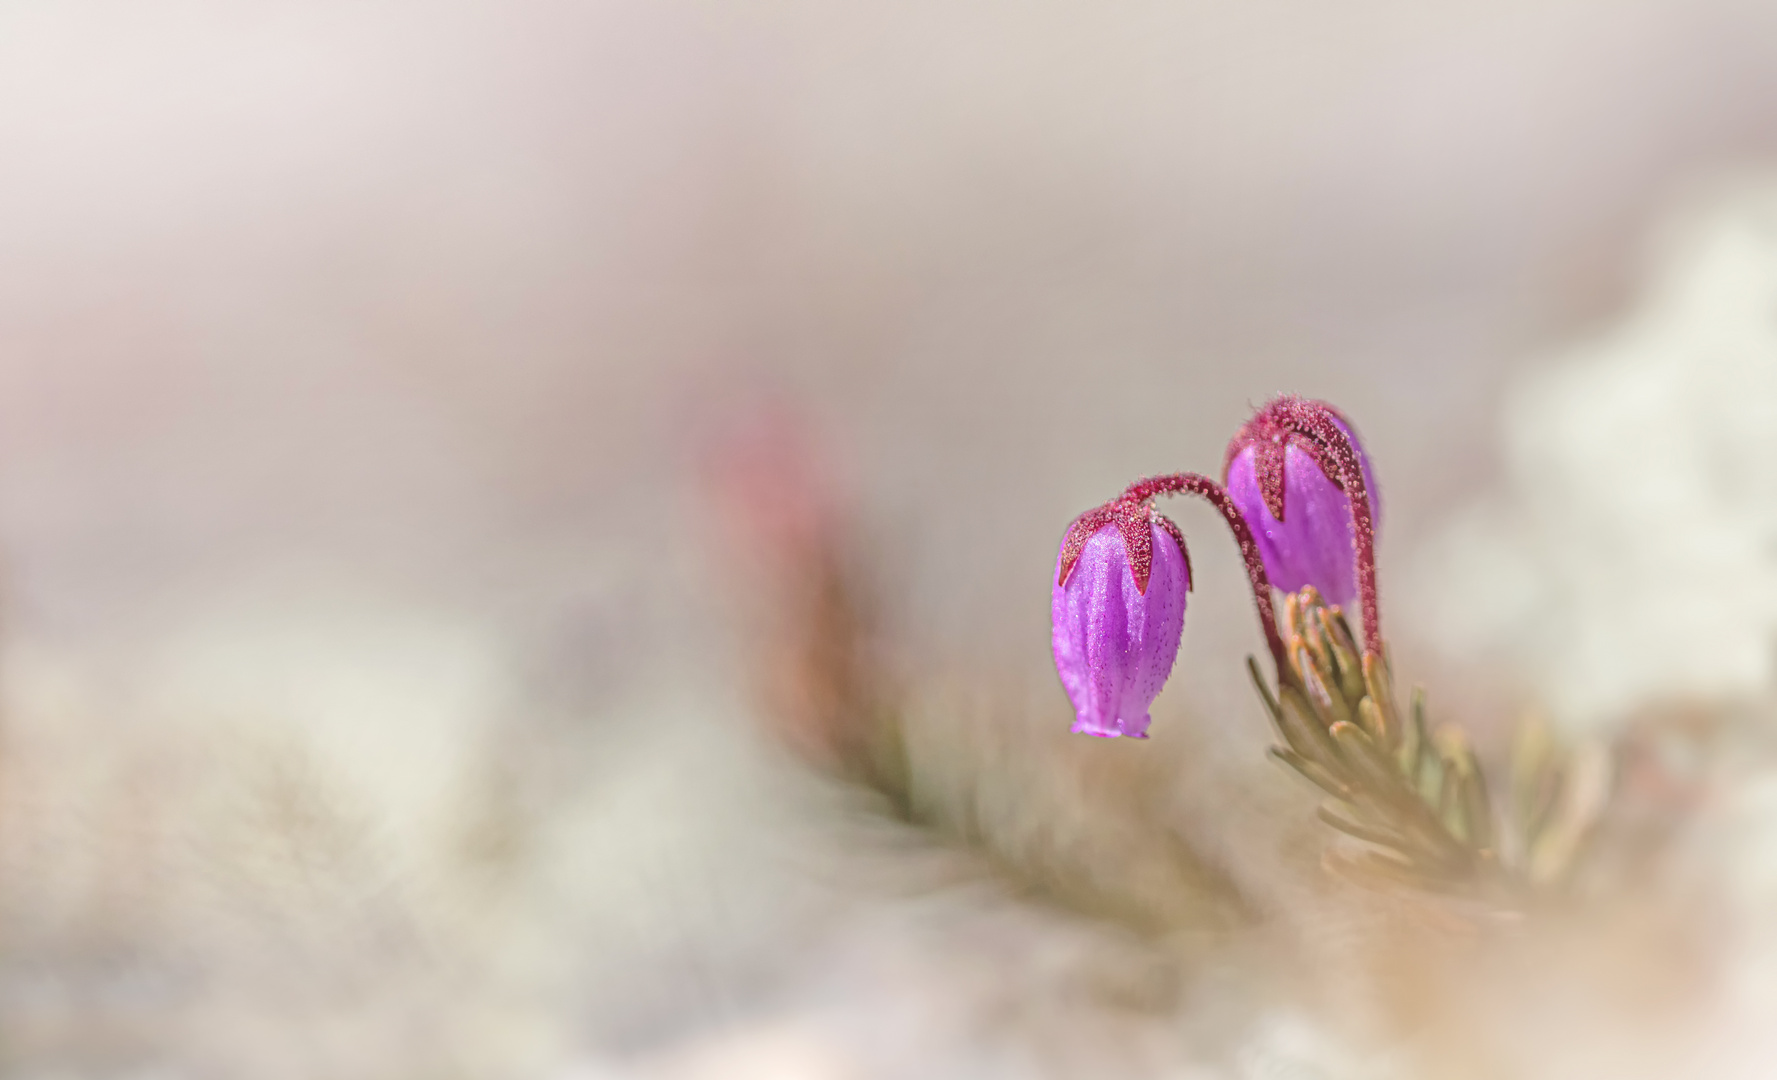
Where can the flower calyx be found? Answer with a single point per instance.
(1287, 420)
(1133, 518)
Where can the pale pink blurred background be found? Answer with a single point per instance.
(420, 287)
(353, 356)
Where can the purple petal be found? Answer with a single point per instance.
(1313, 544)
(1114, 644)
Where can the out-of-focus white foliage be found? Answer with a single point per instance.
(1633, 555)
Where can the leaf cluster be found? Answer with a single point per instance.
(1418, 799)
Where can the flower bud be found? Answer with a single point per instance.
(1287, 486)
(1118, 607)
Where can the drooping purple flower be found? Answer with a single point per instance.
(1287, 487)
(1118, 607)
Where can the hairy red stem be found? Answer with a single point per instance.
(1187, 483)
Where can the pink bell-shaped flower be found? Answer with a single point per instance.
(1287, 487)
(1118, 607)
